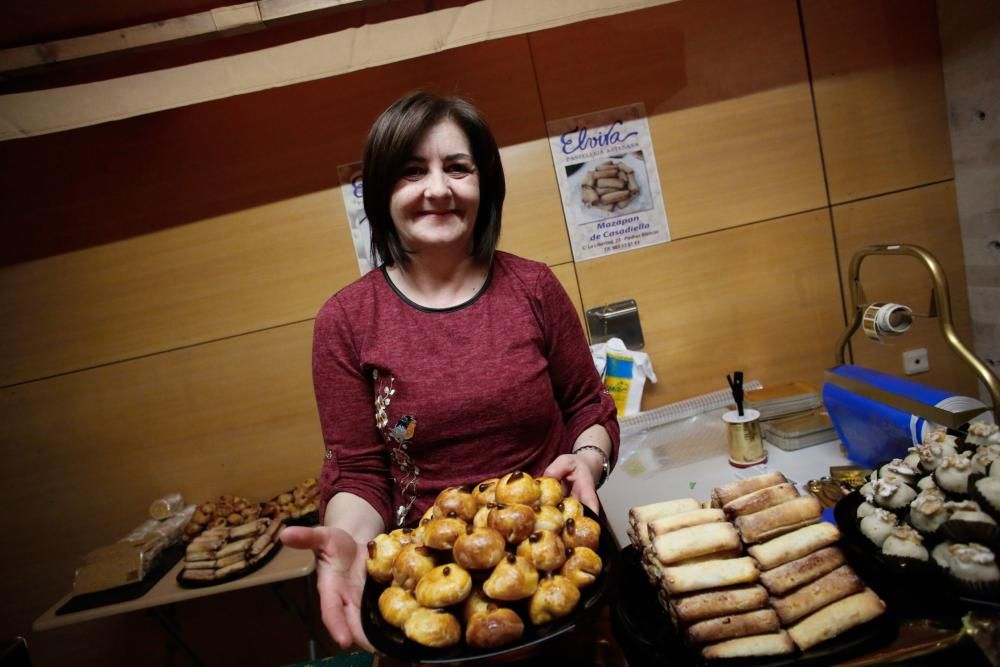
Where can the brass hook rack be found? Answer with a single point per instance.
(940, 307)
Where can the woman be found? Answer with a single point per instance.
(452, 364)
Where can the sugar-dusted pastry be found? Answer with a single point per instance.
(831, 587)
(789, 576)
(433, 627)
(779, 519)
(396, 604)
(514, 522)
(794, 545)
(555, 597)
(774, 643)
(711, 604)
(836, 618)
(757, 622)
(721, 495)
(760, 499)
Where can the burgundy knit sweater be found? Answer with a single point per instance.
(502, 382)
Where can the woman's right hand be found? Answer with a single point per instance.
(340, 579)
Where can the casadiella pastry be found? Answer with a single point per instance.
(829, 588)
(836, 618)
(721, 495)
(794, 545)
(774, 521)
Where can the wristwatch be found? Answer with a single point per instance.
(605, 463)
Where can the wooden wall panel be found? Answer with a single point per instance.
(566, 273)
(87, 452)
(879, 94)
(762, 298)
(926, 217)
(734, 142)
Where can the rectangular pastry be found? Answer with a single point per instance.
(760, 500)
(699, 606)
(779, 519)
(695, 541)
(643, 514)
(729, 492)
(697, 517)
(776, 643)
(757, 622)
(836, 618)
(795, 573)
(794, 545)
(709, 574)
(829, 588)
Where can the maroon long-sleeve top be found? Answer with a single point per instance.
(502, 382)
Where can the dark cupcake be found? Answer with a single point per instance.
(972, 568)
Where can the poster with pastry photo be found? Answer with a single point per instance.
(351, 189)
(608, 181)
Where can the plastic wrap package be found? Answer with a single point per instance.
(624, 373)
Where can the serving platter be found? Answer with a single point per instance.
(648, 636)
(191, 583)
(390, 640)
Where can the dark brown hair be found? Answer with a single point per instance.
(391, 142)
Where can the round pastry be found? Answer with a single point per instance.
(548, 517)
(927, 482)
(866, 490)
(517, 488)
(941, 437)
(986, 492)
(442, 533)
(456, 501)
(475, 603)
(494, 628)
(928, 512)
(952, 474)
(982, 433)
(904, 548)
(443, 586)
(898, 470)
(405, 536)
(912, 459)
(515, 522)
(878, 525)
(412, 563)
(932, 453)
(514, 578)
(571, 508)
(433, 627)
(551, 490)
(973, 567)
(482, 516)
(969, 523)
(396, 604)
(485, 492)
(555, 597)
(582, 532)
(544, 550)
(479, 548)
(983, 458)
(382, 551)
(582, 566)
(941, 555)
(892, 494)
(865, 508)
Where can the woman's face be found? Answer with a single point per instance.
(435, 202)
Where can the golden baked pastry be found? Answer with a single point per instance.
(382, 551)
(555, 597)
(433, 627)
(582, 532)
(582, 566)
(514, 578)
(396, 604)
(515, 522)
(481, 520)
(443, 586)
(544, 550)
(456, 501)
(494, 628)
(476, 602)
(442, 533)
(548, 517)
(412, 562)
(517, 488)
(486, 491)
(571, 508)
(551, 491)
(479, 548)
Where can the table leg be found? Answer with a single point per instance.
(166, 616)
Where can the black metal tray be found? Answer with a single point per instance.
(648, 636)
(192, 583)
(390, 640)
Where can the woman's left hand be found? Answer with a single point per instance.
(576, 472)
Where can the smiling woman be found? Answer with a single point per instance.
(452, 364)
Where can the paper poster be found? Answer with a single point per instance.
(350, 188)
(608, 180)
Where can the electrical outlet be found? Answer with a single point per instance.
(915, 361)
